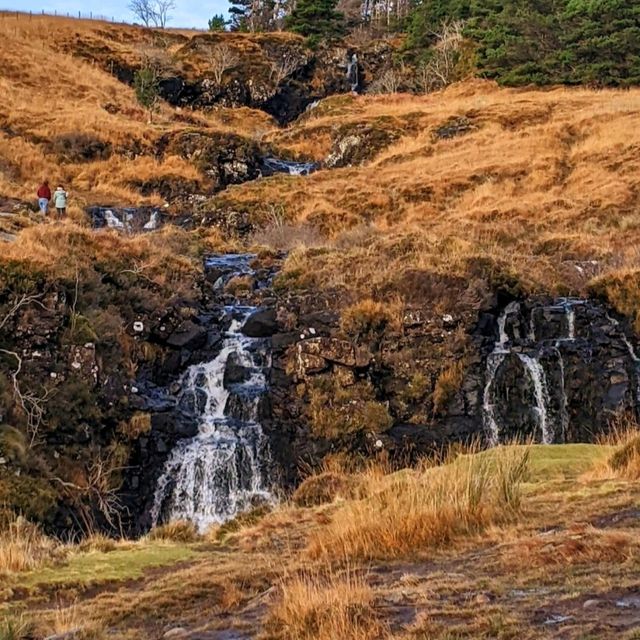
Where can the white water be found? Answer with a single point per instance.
(541, 394)
(536, 373)
(220, 472)
(275, 165)
(352, 72)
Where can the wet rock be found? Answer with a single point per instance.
(261, 324)
(188, 335)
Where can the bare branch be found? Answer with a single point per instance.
(32, 405)
(221, 58)
(23, 301)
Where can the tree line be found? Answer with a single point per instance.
(516, 42)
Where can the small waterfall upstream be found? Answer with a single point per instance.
(223, 470)
(272, 166)
(353, 75)
(521, 343)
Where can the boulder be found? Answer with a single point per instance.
(261, 324)
(188, 336)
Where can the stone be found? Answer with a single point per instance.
(593, 602)
(261, 324)
(176, 632)
(188, 335)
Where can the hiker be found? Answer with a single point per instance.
(44, 195)
(60, 201)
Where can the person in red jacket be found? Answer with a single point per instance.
(44, 195)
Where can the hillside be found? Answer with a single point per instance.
(265, 404)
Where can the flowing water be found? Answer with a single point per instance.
(222, 471)
(552, 425)
(276, 165)
(353, 76)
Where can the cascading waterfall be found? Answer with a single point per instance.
(276, 165)
(352, 72)
(221, 471)
(541, 393)
(550, 429)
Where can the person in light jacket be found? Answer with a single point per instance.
(60, 201)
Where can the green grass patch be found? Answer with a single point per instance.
(120, 564)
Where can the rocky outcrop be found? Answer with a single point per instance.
(354, 144)
(222, 159)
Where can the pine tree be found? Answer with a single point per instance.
(240, 12)
(316, 19)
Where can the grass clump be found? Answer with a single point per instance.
(368, 319)
(15, 627)
(178, 531)
(625, 461)
(447, 385)
(415, 510)
(326, 606)
(326, 487)
(23, 547)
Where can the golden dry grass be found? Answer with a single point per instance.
(24, 547)
(57, 87)
(325, 606)
(414, 510)
(540, 196)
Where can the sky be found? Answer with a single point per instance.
(188, 13)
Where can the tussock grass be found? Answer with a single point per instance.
(326, 606)
(23, 547)
(414, 510)
(178, 531)
(15, 627)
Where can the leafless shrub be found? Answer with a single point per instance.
(152, 12)
(440, 70)
(281, 69)
(221, 58)
(389, 81)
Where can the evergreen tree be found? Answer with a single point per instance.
(316, 19)
(146, 86)
(217, 23)
(240, 12)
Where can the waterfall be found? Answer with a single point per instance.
(495, 359)
(276, 165)
(222, 470)
(541, 393)
(535, 371)
(352, 72)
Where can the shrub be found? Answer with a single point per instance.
(178, 531)
(368, 318)
(409, 510)
(447, 385)
(325, 487)
(336, 411)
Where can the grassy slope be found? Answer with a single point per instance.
(56, 89)
(541, 191)
(575, 540)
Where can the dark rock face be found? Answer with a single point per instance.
(223, 159)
